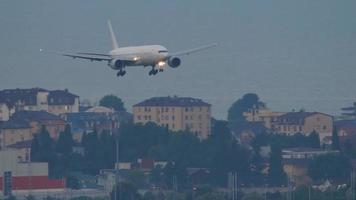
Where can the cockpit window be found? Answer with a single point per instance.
(162, 51)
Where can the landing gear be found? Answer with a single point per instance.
(121, 73)
(153, 72)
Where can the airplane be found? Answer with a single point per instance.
(156, 56)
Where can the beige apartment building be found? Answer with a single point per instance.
(176, 113)
(262, 114)
(304, 122)
(14, 132)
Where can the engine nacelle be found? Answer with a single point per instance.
(116, 64)
(174, 62)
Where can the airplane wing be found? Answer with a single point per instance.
(189, 51)
(89, 56)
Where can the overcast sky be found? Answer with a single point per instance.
(293, 54)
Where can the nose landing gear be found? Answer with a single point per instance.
(153, 72)
(121, 73)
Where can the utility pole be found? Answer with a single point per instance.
(352, 185)
(233, 185)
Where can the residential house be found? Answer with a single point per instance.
(5, 111)
(305, 123)
(100, 121)
(23, 150)
(38, 99)
(176, 113)
(12, 132)
(262, 114)
(53, 123)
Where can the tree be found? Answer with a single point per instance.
(330, 166)
(252, 196)
(64, 144)
(335, 140)
(125, 191)
(276, 175)
(314, 140)
(112, 101)
(247, 102)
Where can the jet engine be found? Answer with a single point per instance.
(174, 62)
(116, 64)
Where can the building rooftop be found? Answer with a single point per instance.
(172, 101)
(12, 124)
(21, 145)
(29, 96)
(34, 116)
(297, 117)
(61, 97)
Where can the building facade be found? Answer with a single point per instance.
(262, 114)
(25, 175)
(38, 99)
(14, 132)
(305, 123)
(36, 119)
(5, 111)
(176, 113)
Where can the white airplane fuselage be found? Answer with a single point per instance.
(155, 56)
(149, 55)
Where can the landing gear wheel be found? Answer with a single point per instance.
(121, 73)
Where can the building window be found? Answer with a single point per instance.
(186, 109)
(186, 117)
(149, 117)
(139, 117)
(167, 109)
(173, 118)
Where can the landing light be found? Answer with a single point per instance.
(136, 58)
(161, 63)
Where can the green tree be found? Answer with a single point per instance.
(211, 196)
(124, 191)
(64, 145)
(149, 196)
(330, 166)
(112, 101)
(42, 147)
(252, 196)
(90, 143)
(276, 175)
(42, 150)
(242, 105)
(335, 140)
(314, 140)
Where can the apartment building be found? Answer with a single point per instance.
(305, 123)
(37, 99)
(12, 132)
(53, 123)
(176, 113)
(262, 114)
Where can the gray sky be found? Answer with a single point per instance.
(293, 54)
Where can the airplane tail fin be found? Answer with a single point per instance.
(113, 38)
